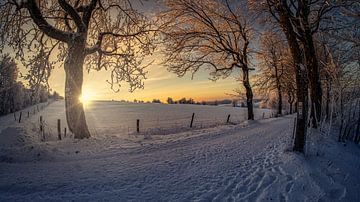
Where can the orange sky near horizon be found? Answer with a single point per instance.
(160, 84)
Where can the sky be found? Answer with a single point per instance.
(160, 84)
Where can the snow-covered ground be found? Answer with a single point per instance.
(106, 118)
(250, 161)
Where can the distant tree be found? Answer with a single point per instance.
(190, 101)
(8, 77)
(170, 100)
(27, 97)
(156, 101)
(182, 101)
(39, 70)
(274, 67)
(103, 34)
(18, 96)
(234, 102)
(43, 93)
(56, 96)
(208, 34)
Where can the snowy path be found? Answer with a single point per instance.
(227, 163)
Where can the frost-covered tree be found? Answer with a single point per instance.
(300, 21)
(8, 77)
(209, 34)
(272, 67)
(293, 17)
(87, 34)
(276, 71)
(38, 72)
(170, 100)
(18, 96)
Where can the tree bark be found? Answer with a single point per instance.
(249, 94)
(73, 88)
(314, 78)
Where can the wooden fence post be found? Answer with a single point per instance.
(263, 115)
(42, 129)
(137, 125)
(65, 132)
(192, 120)
(20, 117)
(294, 129)
(228, 119)
(15, 116)
(59, 128)
(28, 114)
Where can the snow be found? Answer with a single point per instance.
(119, 119)
(250, 161)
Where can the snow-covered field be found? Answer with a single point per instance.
(106, 118)
(250, 161)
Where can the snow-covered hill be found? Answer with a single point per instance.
(250, 161)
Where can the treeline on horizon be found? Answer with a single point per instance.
(184, 100)
(233, 102)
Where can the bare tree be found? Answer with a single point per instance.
(209, 34)
(272, 66)
(103, 34)
(345, 24)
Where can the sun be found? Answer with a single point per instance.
(85, 97)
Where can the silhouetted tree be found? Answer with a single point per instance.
(170, 100)
(208, 34)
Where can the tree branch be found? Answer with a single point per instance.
(73, 14)
(43, 25)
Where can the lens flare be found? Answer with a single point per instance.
(85, 98)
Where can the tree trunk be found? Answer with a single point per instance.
(279, 101)
(301, 81)
(291, 107)
(278, 86)
(357, 133)
(314, 78)
(328, 89)
(290, 101)
(75, 114)
(249, 94)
